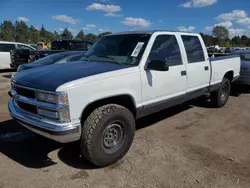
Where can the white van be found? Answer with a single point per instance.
(5, 48)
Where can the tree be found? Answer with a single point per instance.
(245, 41)
(34, 35)
(43, 33)
(80, 35)
(221, 33)
(56, 35)
(91, 37)
(208, 39)
(7, 31)
(236, 41)
(103, 34)
(66, 34)
(227, 43)
(21, 32)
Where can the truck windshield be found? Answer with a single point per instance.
(124, 49)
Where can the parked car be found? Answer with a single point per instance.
(36, 46)
(62, 57)
(123, 77)
(5, 48)
(245, 67)
(19, 57)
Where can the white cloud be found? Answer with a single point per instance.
(234, 15)
(136, 22)
(209, 28)
(160, 21)
(60, 29)
(226, 24)
(88, 27)
(244, 22)
(198, 3)
(23, 19)
(186, 29)
(111, 14)
(103, 30)
(105, 8)
(187, 4)
(238, 32)
(65, 19)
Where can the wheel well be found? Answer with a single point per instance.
(123, 100)
(229, 75)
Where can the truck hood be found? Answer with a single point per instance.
(50, 77)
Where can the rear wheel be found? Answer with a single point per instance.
(107, 134)
(220, 97)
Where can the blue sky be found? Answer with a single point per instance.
(122, 15)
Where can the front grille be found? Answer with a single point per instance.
(24, 92)
(27, 107)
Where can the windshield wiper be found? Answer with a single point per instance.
(108, 57)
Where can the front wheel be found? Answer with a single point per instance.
(220, 97)
(107, 134)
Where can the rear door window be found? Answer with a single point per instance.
(6, 47)
(193, 49)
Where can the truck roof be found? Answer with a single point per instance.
(148, 32)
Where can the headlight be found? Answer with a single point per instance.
(61, 115)
(52, 98)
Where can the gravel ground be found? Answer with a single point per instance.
(191, 145)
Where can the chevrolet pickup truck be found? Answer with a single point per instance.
(123, 76)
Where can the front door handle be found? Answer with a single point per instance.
(183, 73)
(206, 68)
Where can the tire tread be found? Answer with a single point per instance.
(90, 125)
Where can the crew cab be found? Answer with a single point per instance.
(124, 76)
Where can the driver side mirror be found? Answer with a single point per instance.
(158, 65)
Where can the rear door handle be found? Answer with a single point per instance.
(206, 68)
(183, 73)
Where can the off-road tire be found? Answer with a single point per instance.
(93, 129)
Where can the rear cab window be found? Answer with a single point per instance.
(166, 49)
(7, 47)
(245, 57)
(193, 49)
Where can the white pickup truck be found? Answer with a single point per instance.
(124, 76)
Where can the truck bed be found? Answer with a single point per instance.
(218, 68)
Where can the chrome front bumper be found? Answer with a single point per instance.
(61, 132)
